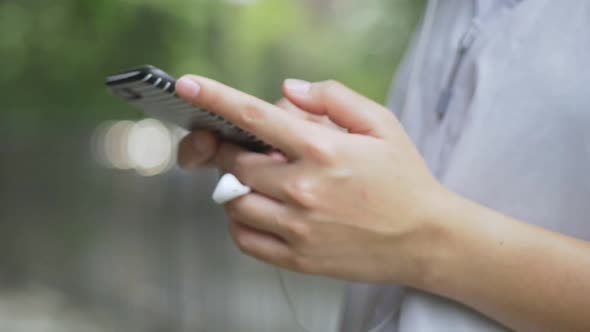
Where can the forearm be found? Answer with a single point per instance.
(523, 276)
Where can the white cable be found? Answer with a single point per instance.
(229, 188)
(300, 322)
(290, 303)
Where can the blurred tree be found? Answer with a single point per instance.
(56, 53)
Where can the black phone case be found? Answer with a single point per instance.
(153, 91)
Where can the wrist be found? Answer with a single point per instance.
(436, 239)
(457, 234)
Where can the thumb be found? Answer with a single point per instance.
(343, 106)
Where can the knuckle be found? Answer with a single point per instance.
(240, 208)
(323, 152)
(329, 89)
(243, 243)
(299, 230)
(279, 222)
(232, 211)
(290, 227)
(331, 85)
(210, 99)
(300, 263)
(300, 191)
(253, 113)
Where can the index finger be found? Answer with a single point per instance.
(264, 120)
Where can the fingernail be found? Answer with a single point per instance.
(297, 87)
(277, 155)
(188, 87)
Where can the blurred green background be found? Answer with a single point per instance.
(84, 247)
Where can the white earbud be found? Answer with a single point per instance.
(229, 188)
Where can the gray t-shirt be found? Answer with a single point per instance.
(496, 96)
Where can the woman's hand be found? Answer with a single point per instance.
(198, 148)
(353, 205)
(362, 205)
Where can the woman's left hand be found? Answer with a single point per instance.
(355, 204)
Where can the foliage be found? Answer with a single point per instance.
(55, 53)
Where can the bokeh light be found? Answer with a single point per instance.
(115, 145)
(147, 146)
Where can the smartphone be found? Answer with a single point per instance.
(153, 91)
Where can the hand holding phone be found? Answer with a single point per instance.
(153, 91)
